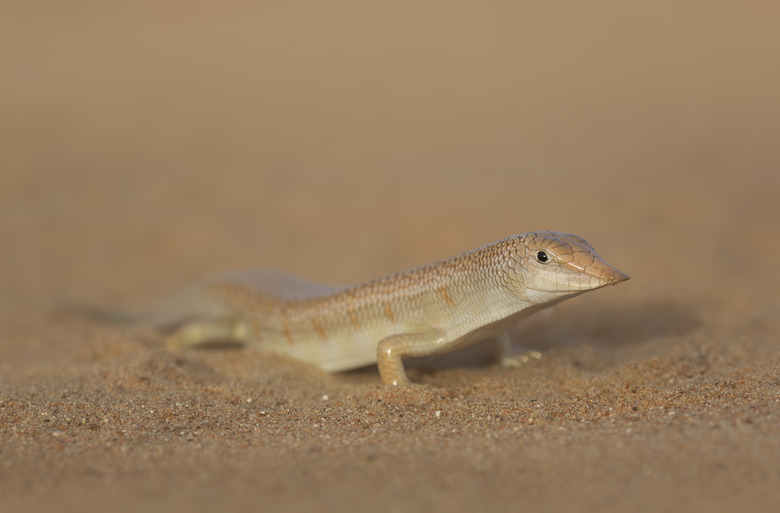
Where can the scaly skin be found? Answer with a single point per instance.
(428, 310)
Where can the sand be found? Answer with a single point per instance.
(150, 145)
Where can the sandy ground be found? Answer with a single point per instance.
(145, 147)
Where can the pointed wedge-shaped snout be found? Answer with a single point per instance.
(596, 267)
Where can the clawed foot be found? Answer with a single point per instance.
(519, 359)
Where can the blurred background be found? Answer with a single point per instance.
(146, 144)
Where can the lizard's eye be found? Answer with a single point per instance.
(542, 257)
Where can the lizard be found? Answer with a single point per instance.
(427, 310)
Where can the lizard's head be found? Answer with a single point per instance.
(560, 264)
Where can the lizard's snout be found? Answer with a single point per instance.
(604, 273)
(616, 276)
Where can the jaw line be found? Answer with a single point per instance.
(574, 291)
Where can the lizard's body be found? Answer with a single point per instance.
(427, 310)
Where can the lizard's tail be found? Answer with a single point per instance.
(170, 314)
(109, 316)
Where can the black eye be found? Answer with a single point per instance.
(542, 257)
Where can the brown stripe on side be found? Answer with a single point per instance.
(319, 329)
(389, 312)
(446, 295)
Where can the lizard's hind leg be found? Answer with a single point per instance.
(201, 332)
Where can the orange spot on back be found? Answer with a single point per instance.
(354, 319)
(389, 312)
(319, 329)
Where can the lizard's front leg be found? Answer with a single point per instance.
(392, 349)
